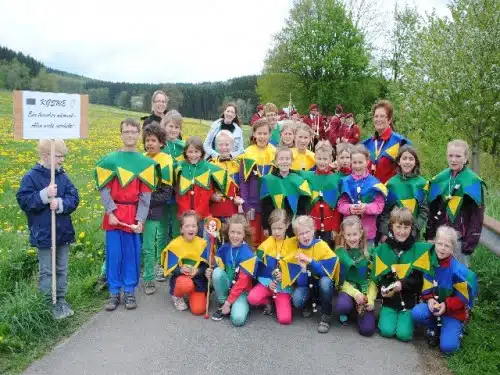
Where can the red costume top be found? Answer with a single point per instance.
(331, 217)
(350, 133)
(196, 199)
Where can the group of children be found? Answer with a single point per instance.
(281, 227)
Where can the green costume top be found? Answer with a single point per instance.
(276, 134)
(418, 257)
(407, 192)
(166, 165)
(290, 187)
(326, 186)
(261, 160)
(201, 174)
(354, 268)
(453, 189)
(127, 166)
(175, 149)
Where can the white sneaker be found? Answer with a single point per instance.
(179, 303)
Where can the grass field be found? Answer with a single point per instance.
(26, 328)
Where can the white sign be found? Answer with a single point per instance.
(50, 115)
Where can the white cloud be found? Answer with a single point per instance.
(148, 41)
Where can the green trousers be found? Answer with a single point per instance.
(171, 222)
(153, 243)
(240, 308)
(395, 323)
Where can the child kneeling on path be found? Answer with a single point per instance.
(186, 258)
(448, 296)
(233, 276)
(37, 197)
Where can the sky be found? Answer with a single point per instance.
(152, 41)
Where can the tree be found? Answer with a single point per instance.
(45, 82)
(123, 100)
(451, 84)
(323, 51)
(14, 75)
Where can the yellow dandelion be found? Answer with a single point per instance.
(81, 235)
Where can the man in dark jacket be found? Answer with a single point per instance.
(37, 197)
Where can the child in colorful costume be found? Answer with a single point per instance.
(398, 268)
(274, 274)
(357, 290)
(406, 189)
(271, 114)
(319, 273)
(456, 198)
(283, 189)
(186, 259)
(154, 237)
(125, 180)
(448, 295)
(233, 276)
(197, 180)
(362, 194)
(174, 146)
(256, 161)
(384, 145)
(303, 158)
(324, 185)
(225, 204)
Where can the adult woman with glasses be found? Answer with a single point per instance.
(159, 102)
(385, 143)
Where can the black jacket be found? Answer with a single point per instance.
(159, 198)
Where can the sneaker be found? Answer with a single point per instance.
(130, 302)
(179, 303)
(268, 309)
(149, 288)
(324, 324)
(66, 308)
(113, 302)
(57, 311)
(218, 315)
(343, 320)
(432, 337)
(160, 276)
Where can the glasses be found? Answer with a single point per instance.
(129, 132)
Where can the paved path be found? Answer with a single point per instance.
(156, 339)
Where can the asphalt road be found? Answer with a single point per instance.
(157, 339)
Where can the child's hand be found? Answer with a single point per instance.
(238, 201)
(430, 304)
(54, 203)
(361, 208)
(302, 258)
(112, 219)
(208, 273)
(266, 232)
(273, 285)
(216, 197)
(369, 307)
(138, 227)
(186, 270)
(52, 191)
(398, 286)
(278, 276)
(360, 299)
(226, 308)
(440, 307)
(355, 209)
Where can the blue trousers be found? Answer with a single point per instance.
(123, 260)
(302, 294)
(451, 328)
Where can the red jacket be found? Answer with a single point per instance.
(322, 125)
(331, 217)
(197, 199)
(351, 134)
(455, 308)
(333, 132)
(255, 118)
(126, 200)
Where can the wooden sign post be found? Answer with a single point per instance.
(46, 115)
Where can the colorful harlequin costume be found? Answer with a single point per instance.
(255, 163)
(232, 278)
(457, 201)
(456, 286)
(226, 207)
(405, 262)
(384, 149)
(410, 192)
(125, 181)
(154, 236)
(324, 186)
(321, 275)
(292, 193)
(272, 257)
(197, 184)
(194, 254)
(366, 189)
(303, 161)
(175, 149)
(355, 270)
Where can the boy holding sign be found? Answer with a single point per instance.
(37, 197)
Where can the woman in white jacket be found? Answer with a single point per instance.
(229, 121)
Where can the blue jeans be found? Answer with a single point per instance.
(302, 295)
(451, 328)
